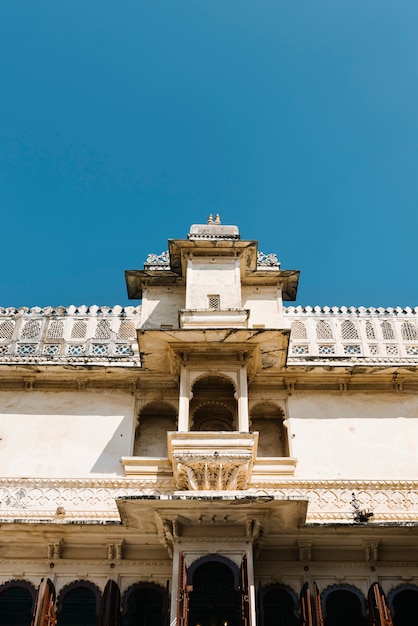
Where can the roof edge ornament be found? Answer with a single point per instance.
(158, 261)
(213, 229)
(267, 261)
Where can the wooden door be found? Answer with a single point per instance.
(183, 593)
(317, 607)
(110, 605)
(379, 614)
(44, 611)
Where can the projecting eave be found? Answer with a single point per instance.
(179, 250)
(286, 280)
(138, 280)
(261, 349)
(212, 514)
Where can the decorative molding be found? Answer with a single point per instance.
(93, 500)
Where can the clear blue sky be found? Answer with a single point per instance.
(123, 122)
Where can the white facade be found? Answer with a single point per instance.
(208, 431)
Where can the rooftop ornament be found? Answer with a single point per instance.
(217, 219)
(267, 260)
(158, 261)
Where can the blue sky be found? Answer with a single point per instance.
(122, 123)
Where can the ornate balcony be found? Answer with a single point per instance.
(212, 460)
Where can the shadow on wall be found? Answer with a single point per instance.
(119, 444)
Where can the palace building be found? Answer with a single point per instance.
(210, 456)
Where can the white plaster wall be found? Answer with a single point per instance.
(213, 276)
(64, 434)
(354, 435)
(265, 305)
(161, 305)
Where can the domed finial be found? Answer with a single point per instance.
(210, 219)
(217, 219)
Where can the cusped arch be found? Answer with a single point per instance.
(212, 378)
(282, 589)
(22, 583)
(267, 418)
(344, 587)
(155, 419)
(212, 415)
(213, 406)
(77, 584)
(17, 599)
(143, 586)
(214, 558)
(393, 593)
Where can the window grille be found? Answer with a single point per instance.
(214, 302)
(126, 330)
(370, 334)
(6, 329)
(31, 330)
(79, 330)
(103, 330)
(323, 330)
(348, 330)
(55, 330)
(387, 331)
(409, 331)
(298, 330)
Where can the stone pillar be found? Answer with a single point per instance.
(184, 403)
(251, 586)
(174, 588)
(243, 419)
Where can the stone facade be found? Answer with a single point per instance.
(212, 456)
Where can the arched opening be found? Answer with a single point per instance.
(144, 605)
(278, 607)
(344, 608)
(214, 600)
(267, 420)
(78, 605)
(155, 420)
(213, 406)
(405, 607)
(16, 604)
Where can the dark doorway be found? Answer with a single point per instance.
(343, 608)
(278, 608)
(78, 607)
(15, 607)
(405, 607)
(214, 600)
(144, 607)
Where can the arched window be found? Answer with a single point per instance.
(215, 599)
(370, 334)
(278, 606)
(213, 406)
(298, 330)
(155, 420)
(387, 331)
(323, 330)
(144, 604)
(16, 603)
(409, 331)
(78, 604)
(267, 420)
(348, 330)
